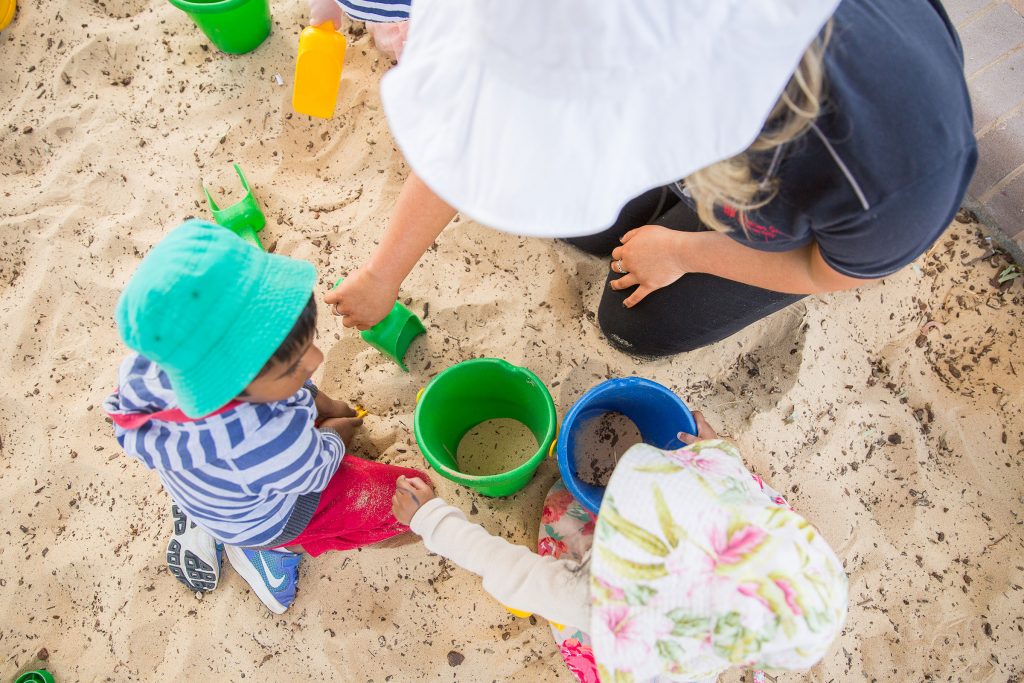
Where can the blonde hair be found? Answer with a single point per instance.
(735, 182)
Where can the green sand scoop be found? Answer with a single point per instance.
(245, 218)
(392, 335)
(37, 676)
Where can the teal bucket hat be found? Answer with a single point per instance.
(210, 310)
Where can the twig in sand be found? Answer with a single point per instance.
(988, 254)
(996, 542)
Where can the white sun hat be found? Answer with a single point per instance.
(544, 117)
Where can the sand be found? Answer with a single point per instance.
(902, 444)
(600, 443)
(495, 446)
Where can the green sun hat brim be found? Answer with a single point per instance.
(210, 310)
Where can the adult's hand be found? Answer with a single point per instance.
(363, 299)
(369, 293)
(651, 257)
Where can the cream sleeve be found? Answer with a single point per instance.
(557, 590)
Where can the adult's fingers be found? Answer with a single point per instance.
(616, 263)
(333, 296)
(335, 303)
(349, 320)
(625, 282)
(628, 236)
(637, 296)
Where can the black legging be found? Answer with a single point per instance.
(694, 311)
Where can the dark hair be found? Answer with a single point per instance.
(302, 331)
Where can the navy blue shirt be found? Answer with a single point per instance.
(883, 172)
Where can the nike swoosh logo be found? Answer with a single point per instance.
(274, 581)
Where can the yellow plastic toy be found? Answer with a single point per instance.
(526, 615)
(318, 70)
(6, 12)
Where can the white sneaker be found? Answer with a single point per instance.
(193, 555)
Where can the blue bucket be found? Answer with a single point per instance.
(657, 412)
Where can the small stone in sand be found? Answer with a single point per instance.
(599, 444)
(495, 446)
(455, 658)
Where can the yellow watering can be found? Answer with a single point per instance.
(318, 70)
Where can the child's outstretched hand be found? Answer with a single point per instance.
(327, 408)
(410, 495)
(704, 430)
(325, 10)
(345, 426)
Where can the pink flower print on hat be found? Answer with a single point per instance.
(736, 547)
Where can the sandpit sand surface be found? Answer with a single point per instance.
(903, 446)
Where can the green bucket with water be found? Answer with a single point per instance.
(233, 26)
(475, 391)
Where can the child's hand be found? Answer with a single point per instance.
(325, 10)
(410, 495)
(704, 430)
(345, 426)
(334, 408)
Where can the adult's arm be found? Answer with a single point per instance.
(368, 294)
(656, 257)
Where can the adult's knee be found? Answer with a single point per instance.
(646, 334)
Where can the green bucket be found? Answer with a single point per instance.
(37, 676)
(233, 26)
(475, 391)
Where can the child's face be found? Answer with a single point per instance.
(281, 379)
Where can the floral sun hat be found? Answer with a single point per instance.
(699, 567)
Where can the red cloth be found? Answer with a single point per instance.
(355, 508)
(136, 420)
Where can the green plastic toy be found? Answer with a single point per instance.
(392, 335)
(37, 676)
(244, 218)
(233, 26)
(475, 391)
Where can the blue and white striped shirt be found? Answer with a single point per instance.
(377, 11)
(240, 473)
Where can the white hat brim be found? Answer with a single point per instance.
(495, 138)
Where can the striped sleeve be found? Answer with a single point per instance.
(377, 11)
(288, 455)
